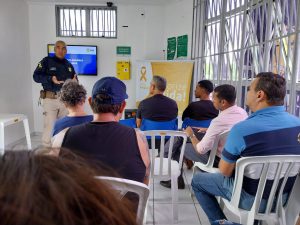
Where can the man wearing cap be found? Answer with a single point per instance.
(104, 141)
(52, 72)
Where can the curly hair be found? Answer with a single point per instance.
(72, 93)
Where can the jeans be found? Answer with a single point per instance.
(209, 185)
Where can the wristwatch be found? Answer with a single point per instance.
(191, 136)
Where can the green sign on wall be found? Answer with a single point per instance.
(123, 50)
(182, 43)
(171, 48)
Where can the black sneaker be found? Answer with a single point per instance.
(167, 183)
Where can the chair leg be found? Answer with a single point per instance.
(247, 218)
(145, 213)
(27, 133)
(174, 190)
(282, 217)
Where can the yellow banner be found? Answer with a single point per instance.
(178, 76)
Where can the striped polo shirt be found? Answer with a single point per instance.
(269, 131)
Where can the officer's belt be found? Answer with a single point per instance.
(51, 95)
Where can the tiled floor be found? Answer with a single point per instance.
(159, 208)
(36, 141)
(190, 211)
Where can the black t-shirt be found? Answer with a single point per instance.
(200, 110)
(108, 143)
(157, 108)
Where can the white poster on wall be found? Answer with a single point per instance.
(143, 79)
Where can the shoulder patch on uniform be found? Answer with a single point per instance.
(40, 65)
(70, 69)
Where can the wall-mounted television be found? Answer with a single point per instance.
(82, 57)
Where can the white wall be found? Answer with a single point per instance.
(178, 21)
(146, 34)
(15, 73)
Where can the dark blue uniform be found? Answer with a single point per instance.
(53, 66)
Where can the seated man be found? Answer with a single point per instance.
(269, 125)
(157, 107)
(104, 140)
(224, 100)
(199, 110)
(204, 108)
(73, 95)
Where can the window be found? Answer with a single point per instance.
(86, 21)
(235, 39)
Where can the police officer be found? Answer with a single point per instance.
(52, 72)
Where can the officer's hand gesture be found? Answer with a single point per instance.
(55, 81)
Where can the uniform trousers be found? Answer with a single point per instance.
(53, 110)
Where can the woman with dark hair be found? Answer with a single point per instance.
(46, 190)
(73, 95)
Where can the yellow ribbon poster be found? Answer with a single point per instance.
(178, 75)
(143, 79)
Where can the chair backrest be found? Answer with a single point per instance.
(159, 125)
(123, 186)
(164, 135)
(209, 166)
(128, 122)
(277, 168)
(195, 123)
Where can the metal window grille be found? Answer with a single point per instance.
(86, 21)
(233, 40)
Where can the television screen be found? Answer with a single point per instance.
(82, 57)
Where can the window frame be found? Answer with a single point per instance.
(88, 10)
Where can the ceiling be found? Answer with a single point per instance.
(123, 2)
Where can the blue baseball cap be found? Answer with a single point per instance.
(111, 86)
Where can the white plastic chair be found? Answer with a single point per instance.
(123, 186)
(209, 166)
(269, 168)
(292, 209)
(10, 119)
(165, 168)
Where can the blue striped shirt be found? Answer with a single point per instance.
(269, 131)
